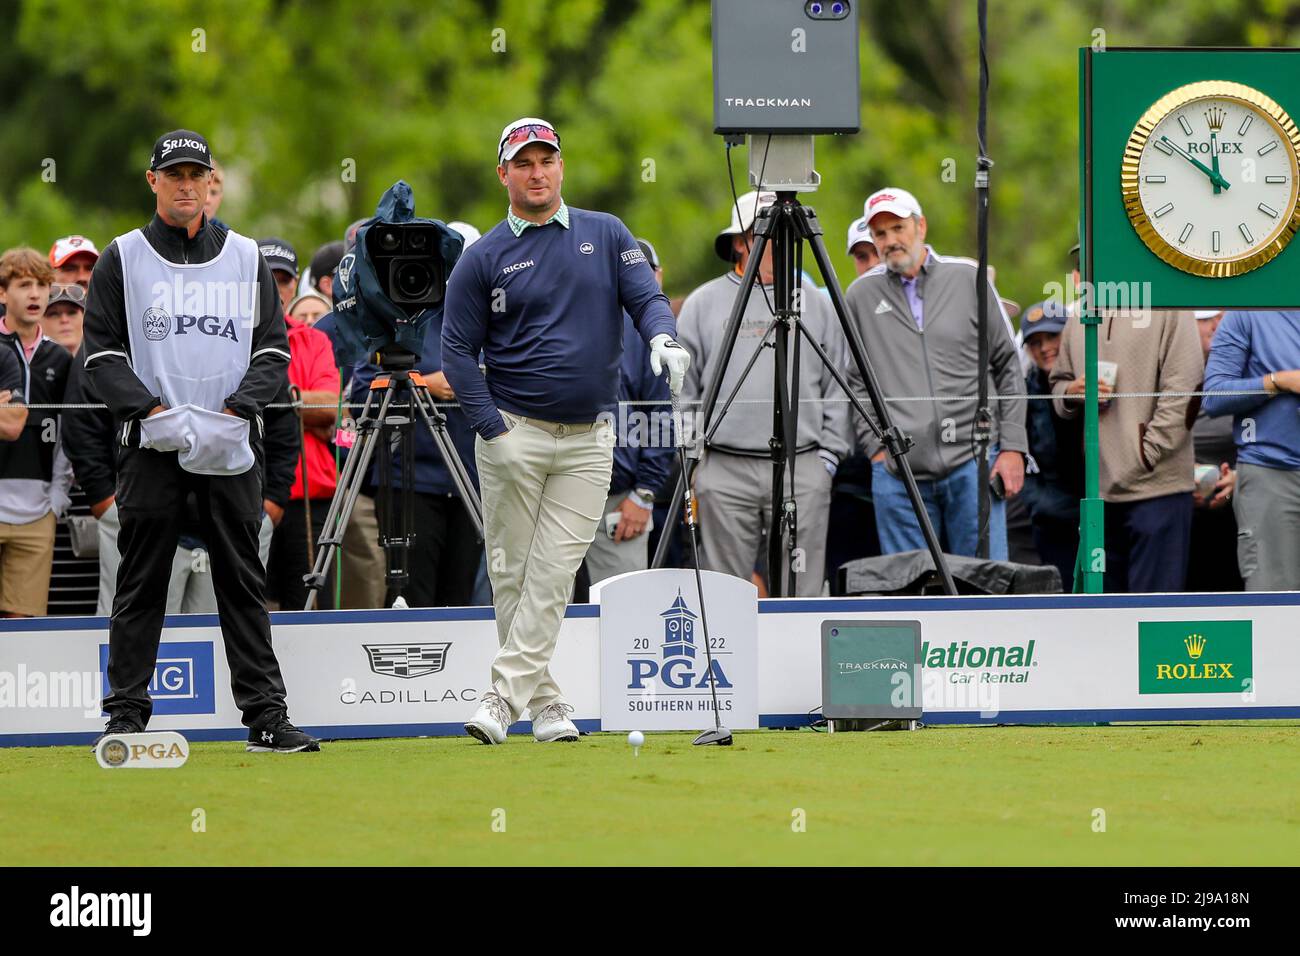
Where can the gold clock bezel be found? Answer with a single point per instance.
(1129, 181)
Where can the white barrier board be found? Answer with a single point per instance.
(419, 672)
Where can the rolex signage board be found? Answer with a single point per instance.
(1191, 177)
(1195, 657)
(654, 672)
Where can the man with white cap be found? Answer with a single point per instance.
(734, 478)
(73, 259)
(861, 246)
(541, 296)
(917, 313)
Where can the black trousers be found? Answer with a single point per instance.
(1212, 565)
(1147, 544)
(287, 563)
(1057, 541)
(443, 560)
(151, 491)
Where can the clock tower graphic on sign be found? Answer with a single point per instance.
(679, 629)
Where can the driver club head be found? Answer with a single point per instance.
(719, 736)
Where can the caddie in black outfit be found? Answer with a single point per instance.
(186, 344)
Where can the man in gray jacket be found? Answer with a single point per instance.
(734, 479)
(917, 314)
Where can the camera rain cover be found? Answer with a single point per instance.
(368, 321)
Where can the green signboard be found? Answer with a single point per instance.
(1189, 173)
(871, 669)
(1195, 657)
(1190, 177)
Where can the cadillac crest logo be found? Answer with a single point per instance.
(407, 660)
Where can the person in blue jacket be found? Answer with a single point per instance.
(444, 554)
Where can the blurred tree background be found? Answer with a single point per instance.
(314, 108)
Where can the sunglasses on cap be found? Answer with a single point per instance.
(536, 131)
(67, 292)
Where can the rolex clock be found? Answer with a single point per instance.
(1209, 178)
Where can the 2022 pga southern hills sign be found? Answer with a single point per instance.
(654, 672)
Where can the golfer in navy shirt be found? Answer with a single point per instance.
(542, 295)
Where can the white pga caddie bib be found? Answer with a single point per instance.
(191, 327)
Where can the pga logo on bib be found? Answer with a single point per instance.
(158, 324)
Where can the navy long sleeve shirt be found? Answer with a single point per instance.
(545, 309)
(643, 456)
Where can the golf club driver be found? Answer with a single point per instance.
(719, 735)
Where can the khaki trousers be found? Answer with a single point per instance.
(543, 489)
(26, 563)
(364, 563)
(735, 495)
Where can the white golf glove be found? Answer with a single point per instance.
(666, 352)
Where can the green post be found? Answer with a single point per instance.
(1090, 564)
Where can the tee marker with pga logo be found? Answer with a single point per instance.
(148, 751)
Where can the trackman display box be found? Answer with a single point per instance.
(785, 66)
(871, 669)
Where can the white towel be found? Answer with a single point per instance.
(207, 442)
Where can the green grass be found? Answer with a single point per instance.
(1172, 795)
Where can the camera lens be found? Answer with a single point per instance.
(837, 8)
(413, 280)
(417, 241)
(389, 241)
(816, 9)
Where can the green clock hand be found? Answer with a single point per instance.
(1214, 177)
(1214, 159)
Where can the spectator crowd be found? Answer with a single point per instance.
(1202, 493)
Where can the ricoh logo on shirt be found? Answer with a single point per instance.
(517, 266)
(170, 144)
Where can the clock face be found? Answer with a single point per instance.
(1210, 179)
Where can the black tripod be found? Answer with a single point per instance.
(787, 224)
(391, 426)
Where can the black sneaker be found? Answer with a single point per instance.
(118, 725)
(277, 735)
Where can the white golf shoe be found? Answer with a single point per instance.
(491, 721)
(552, 723)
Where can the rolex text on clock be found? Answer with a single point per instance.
(1209, 178)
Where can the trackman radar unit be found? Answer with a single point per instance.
(787, 67)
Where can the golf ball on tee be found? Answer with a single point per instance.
(636, 738)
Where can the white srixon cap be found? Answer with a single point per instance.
(898, 201)
(859, 232)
